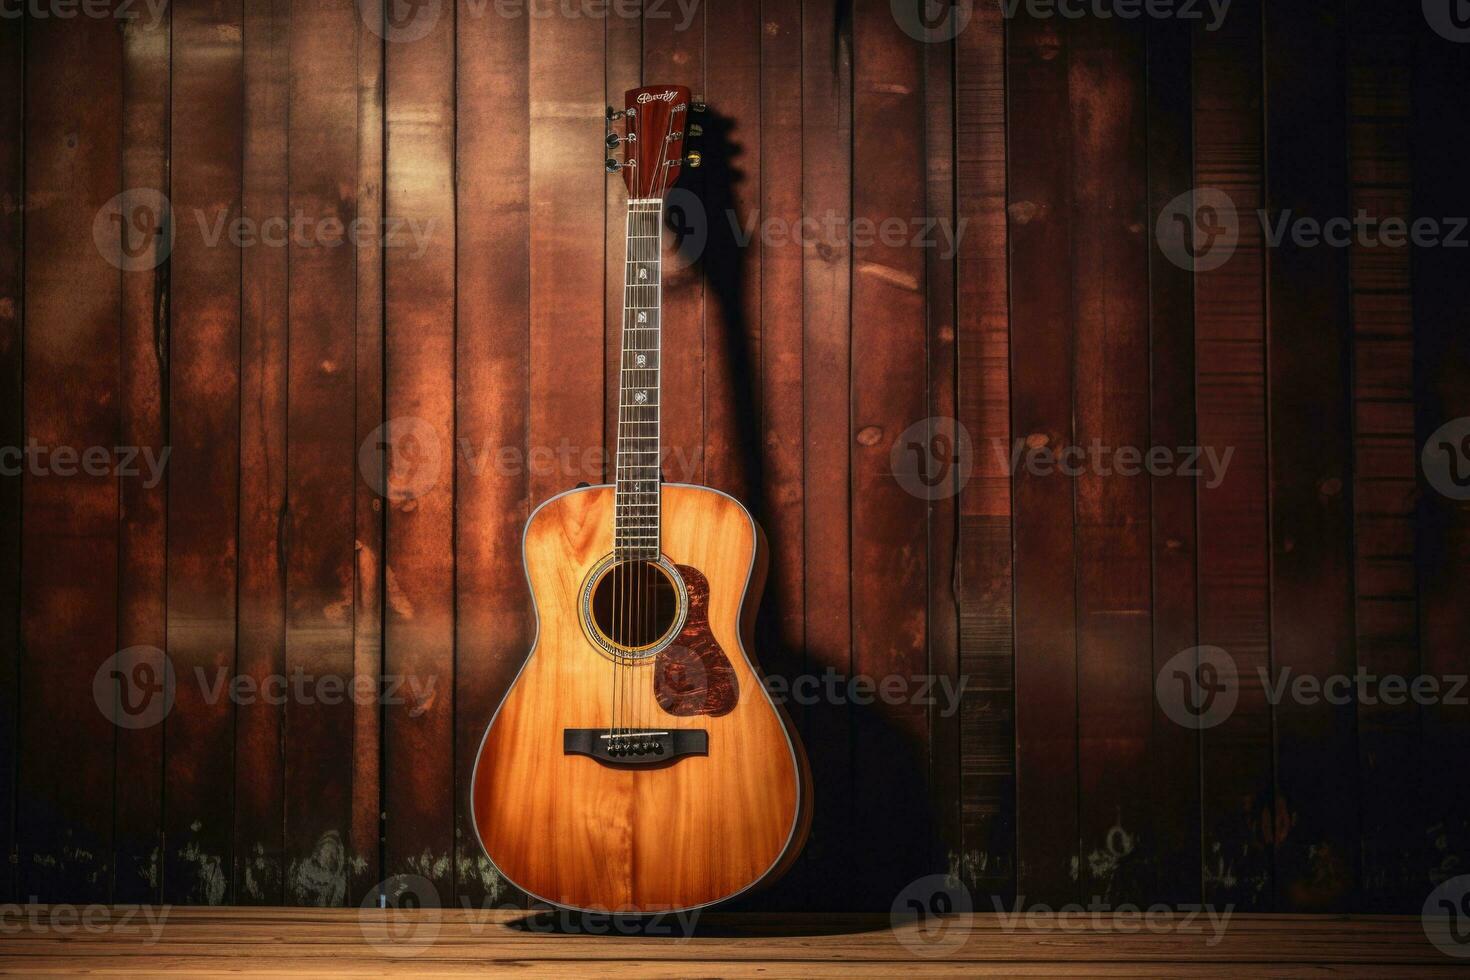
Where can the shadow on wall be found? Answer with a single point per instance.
(873, 830)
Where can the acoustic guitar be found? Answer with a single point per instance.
(638, 764)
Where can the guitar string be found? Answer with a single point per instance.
(629, 599)
(648, 247)
(656, 243)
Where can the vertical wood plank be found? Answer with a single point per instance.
(1441, 141)
(941, 207)
(12, 424)
(1041, 233)
(889, 520)
(1111, 390)
(321, 451)
(1237, 802)
(779, 501)
(567, 235)
(731, 186)
(1174, 748)
(418, 737)
(493, 627)
(986, 636)
(142, 602)
(69, 537)
(1310, 451)
(1394, 838)
(364, 845)
(826, 422)
(674, 44)
(204, 426)
(259, 768)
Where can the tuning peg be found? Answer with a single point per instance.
(695, 130)
(613, 166)
(694, 158)
(614, 113)
(613, 139)
(698, 107)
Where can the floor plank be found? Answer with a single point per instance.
(265, 942)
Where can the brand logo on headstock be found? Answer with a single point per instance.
(648, 97)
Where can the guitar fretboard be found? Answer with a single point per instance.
(636, 508)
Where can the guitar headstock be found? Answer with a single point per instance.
(654, 153)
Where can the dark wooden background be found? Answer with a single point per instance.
(793, 368)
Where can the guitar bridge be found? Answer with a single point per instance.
(635, 748)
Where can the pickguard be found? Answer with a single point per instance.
(692, 675)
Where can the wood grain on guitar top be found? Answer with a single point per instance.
(580, 833)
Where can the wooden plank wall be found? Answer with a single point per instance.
(356, 432)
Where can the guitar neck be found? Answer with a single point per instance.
(636, 511)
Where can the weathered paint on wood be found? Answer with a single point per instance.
(1110, 233)
(63, 832)
(1041, 230)
(1237, 779)
(987, 859)
(889, 526)
(142, 525)
(493, 627)
(260, 727)
(419, 403)
(321, 452)
(827, 428)
(205, 176)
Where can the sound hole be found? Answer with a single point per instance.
(635, 604)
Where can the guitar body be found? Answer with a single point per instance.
(678, 819)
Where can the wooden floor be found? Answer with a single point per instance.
(241, 942)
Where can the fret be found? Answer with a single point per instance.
(637, 490)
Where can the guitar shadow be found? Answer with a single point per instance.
(874, 831)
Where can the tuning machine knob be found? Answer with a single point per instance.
(695, 130)
(697, 106)
(694, 158)
(613, 166)
(613, 139)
